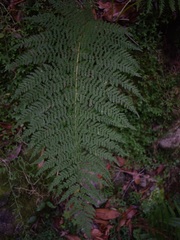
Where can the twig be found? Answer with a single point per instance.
(122, 10)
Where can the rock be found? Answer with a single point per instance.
(172, 139)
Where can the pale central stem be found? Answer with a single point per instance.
(76, 94)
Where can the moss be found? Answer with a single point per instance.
(21, 199)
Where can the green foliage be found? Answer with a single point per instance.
(146, 31)
(161, 5)
(47, 234)
(164, 217)
(51, 65)
(18, 178)
(44, 231)
(156, 112)
(6, 54)
(73, 102)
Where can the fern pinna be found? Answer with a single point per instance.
(73, 102)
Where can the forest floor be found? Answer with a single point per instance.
(145, 202)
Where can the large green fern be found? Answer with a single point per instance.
(74, 101)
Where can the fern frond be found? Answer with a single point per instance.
(175, 222)
(161, 6)
(165, 217)
(73, 103)
(149, 5)
(173, 5)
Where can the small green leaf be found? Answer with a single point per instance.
(41, 206)
(32, 219)
(49, 204)
(1, 35)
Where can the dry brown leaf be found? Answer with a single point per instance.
(100, 221)
(121, 161)
(137, 179)
(129, 221)
(108, 204)
(95, 233)
(122, 223)
(72, 237)
(132, 210)
(99, 238)
(127, 216)
(126, 186)
(94, 14)
(57, 222)
(15, 153)
(110, 10)
(106, 214)
(109, 227)
(13, 3)
(160, 169)
(129, 224)
(103, 5)
(5, 125)
(41, 164)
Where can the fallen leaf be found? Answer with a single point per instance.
(126, 186)
(122, 223)
(111, 10)
(100, 221)
(5, 125)
(127, 216)
(57, 222)
(109, 227)
(105, 5)
(108, 204)
(121, 161)
(108, 166)
(114, 11)
(137, 179)
(96, 233)
(15, 13)
(15, 153)
(129, 224)
(13, 3)
(99, 238)
(106, 214)
(94, 14)
(131, 212)
(41, 164)
(160, 169)
(72, 237)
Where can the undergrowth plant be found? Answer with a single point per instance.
(161, 6)
(73, 103)
(164, 214)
